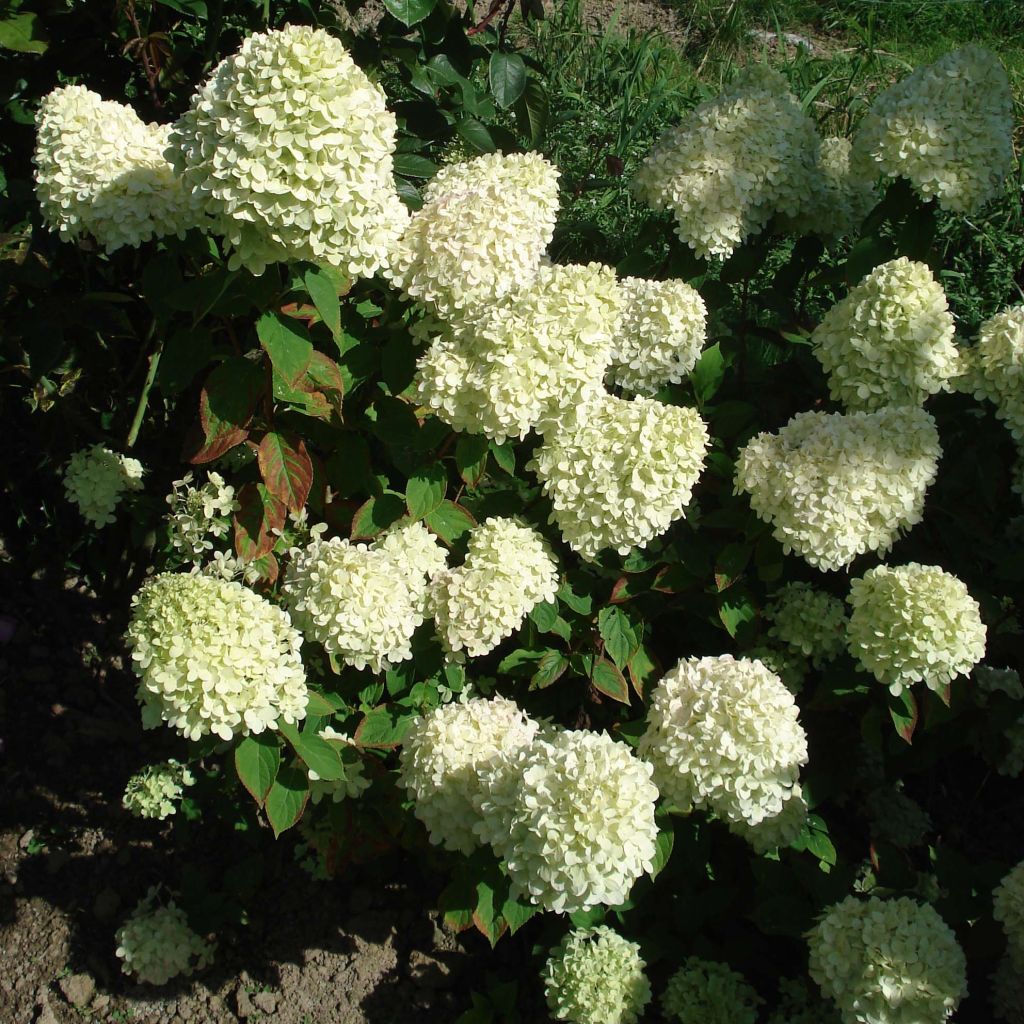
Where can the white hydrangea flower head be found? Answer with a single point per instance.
(363, 603)
(619, 472)
(780, 830)
(101, 171)
(946, 127)
(809, 621)
(156, 943)
(890, 341)
(442, 759)
(799, 1005)
(527, 359)
(897, 818)
(572, 816)
(508, 571)
(914, 623)
(1008, 990)
(213, 657)
(1008, 910)
(155, 791)
(998, 367)
(289, 147)
(200, 515)
(734, 162)
(595, 976)
(836, 485)
(662, 333)
(96, 479)
(481, 234)
(709, 992)
(724, 734)
(887, 962)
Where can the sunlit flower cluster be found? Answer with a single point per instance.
(914, 623)
(946, 128)
(363, 603)
(157, 944)
(155, 791)
(887, 962)
(709, 992)
(723, 734)
(834, 486)
(289, 147)
(780, 830)
(96, 479)
(481, 234)
(807, 620)
(509, 570)
(890, 341)
(101, 171)
(620, 471)
(733, 162)
(595, 976)
(200, 515)
(213, 657)
(998, 367)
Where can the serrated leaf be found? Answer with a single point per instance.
(425, 491)
(226, 405)
(550, 668)
(286, 468)
(382, 728)
(471, 458)
(374, 516)
(457, 902)
(507, 74)
(544, 615)
(288, 345)
(663, 848)
(490, 925)
(516, 913)
(316, 753)
(412, 165)
(324, 293)
(620, 639)
(729, 565)
(287, 799)
(450, 521)
(322, 705)
(609, 680)
(257, 760)
(736, 612)
(23, 33)
(259, 514)
(642, 670)
(410, 12)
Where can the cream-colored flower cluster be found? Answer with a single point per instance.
(101, 171)
(572, 816)
(807, 620)
(363, 603)
(946, 127)
(96, 479)
(509, 570)
(887, 962)
(155, 791)
(724, 734)
(442, 761)
(914, 623)
(480, 235)
(786, 662)
(289, 147)
(527, 359)
(619, 472)
(595, 976)
(200, 515)
(997, 364)
(780, 830)
(896, 818)
(834, 486)
(709, 992)
(799, 1005)
(890, 341)
(734, 162)
(212, 657)
(660, 337)
(156, 943)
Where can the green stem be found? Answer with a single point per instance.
(140, 411)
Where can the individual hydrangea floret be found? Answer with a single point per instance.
(509, 570)
(595, 976)
(896, 818)
(808, 621)
(997, 366)
(887, 962)
(1008, 910)
(442, 759)
(914, 623)
(363, 603)
(946, 127)
(200, 515)
(734, 162)
(661, 336)
(709, 992)
(214, 658)
(724, 734)
(834, 486)
(529, 359)
(155, 791)
(480, 235)
(289, 146)
(572, 816)
(156, 943)
(96, 479)
(890, 341)
(780, 830)
(620, 472)
(101, 171)
(798, 1004)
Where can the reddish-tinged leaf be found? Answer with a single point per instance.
(267, 568)
(609, 680)
(905, 714)
(287, 344)
(642, 669)
(450, 521)
(375, 515)
(286, 468)
(226, 405)
(287, 799)
(258, 515)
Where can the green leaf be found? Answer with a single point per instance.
(457, 902)
(642, 670)
(814, 838)
(474, 134)
(316, 753)
(410, 12)
(226, 405)
(903, 711)
(382, 728)
(516, 913)
(489, 924)
(609, 680)
(507, 74)
(257, 760)
(737, 612)
(376, 515)
(324, 293)
(708, 374)
(412, 165)
(259, 514)
(504, 456)
(544, 615)
(287, 799)
(425, 491)
(582, 604)
(663, 847)
(185, 353)
(620, 639)
(531, 111)
(450, 521)
(471, 458)
(288, 345)
(729, 565)
(286, 468)
(323, 705)
(23, 33)
(550, 668)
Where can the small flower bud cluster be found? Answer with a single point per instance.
(200, 515)
(709, 992)
(96, 479)
(155, 791)
(156, 943)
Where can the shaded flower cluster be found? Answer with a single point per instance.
(709, 992)
(157, 944)
(155, 791)
(808, 621)
(200, 515)
(96, 479)
(997, 365)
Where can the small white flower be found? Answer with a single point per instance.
(96, 479)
